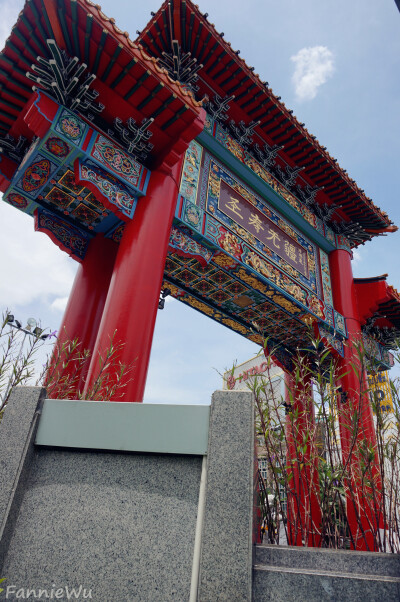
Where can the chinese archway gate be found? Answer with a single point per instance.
(167, 162)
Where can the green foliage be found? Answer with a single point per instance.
(319, 482)
(17, 359)
(64, 371)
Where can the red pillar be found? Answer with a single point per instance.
(359, 512)
(303, 503)
(82, 316)
(131, 307)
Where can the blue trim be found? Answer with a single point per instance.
(39, 92)
(265, 191)
(91, 143)
(146, 183)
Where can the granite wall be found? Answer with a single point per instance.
(122, 525)
(126, 526)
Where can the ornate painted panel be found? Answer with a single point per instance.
(340, 323)
(228, 142)
(69, 126)
(118, 162)
(225, 291)
(257, 248)
(235, 206)
(68, 238)
(342, 242)
(263, 228)
(78, 175)
(111, 191)
(222, 287)
(64, 197)
(331, 340)
(191, 172)
(184, 245)
(36, 175)
(326, 277)
(378, 353)
(233, 218)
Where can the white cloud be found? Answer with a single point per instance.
(32, 268)
(59, 304)
(313, 67)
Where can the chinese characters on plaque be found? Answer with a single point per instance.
(251, 219)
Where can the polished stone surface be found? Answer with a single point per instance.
(17, 433)
(292, 574)
(340, 561)
(121, 525)
(282, 584)
(226, 557)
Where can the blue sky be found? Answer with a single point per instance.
(337, 66)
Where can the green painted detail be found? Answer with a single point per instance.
(265, 191)
(129, 427)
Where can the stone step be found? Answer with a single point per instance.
(340, 561)
(286, 584)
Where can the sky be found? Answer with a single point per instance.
(337, 65)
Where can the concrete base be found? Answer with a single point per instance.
(291, 574)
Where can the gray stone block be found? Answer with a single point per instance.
(17, 434)
(121, 525)
(279, 584)
(226, 555)
(124, 524)
(346, 561)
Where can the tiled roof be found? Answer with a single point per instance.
(195, 32)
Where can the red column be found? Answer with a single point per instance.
(131, 307)
(358, 508)
(82, 317)
(303, 503)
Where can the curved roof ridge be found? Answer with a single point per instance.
(281, 106)
(155, 62)
(380, 278)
